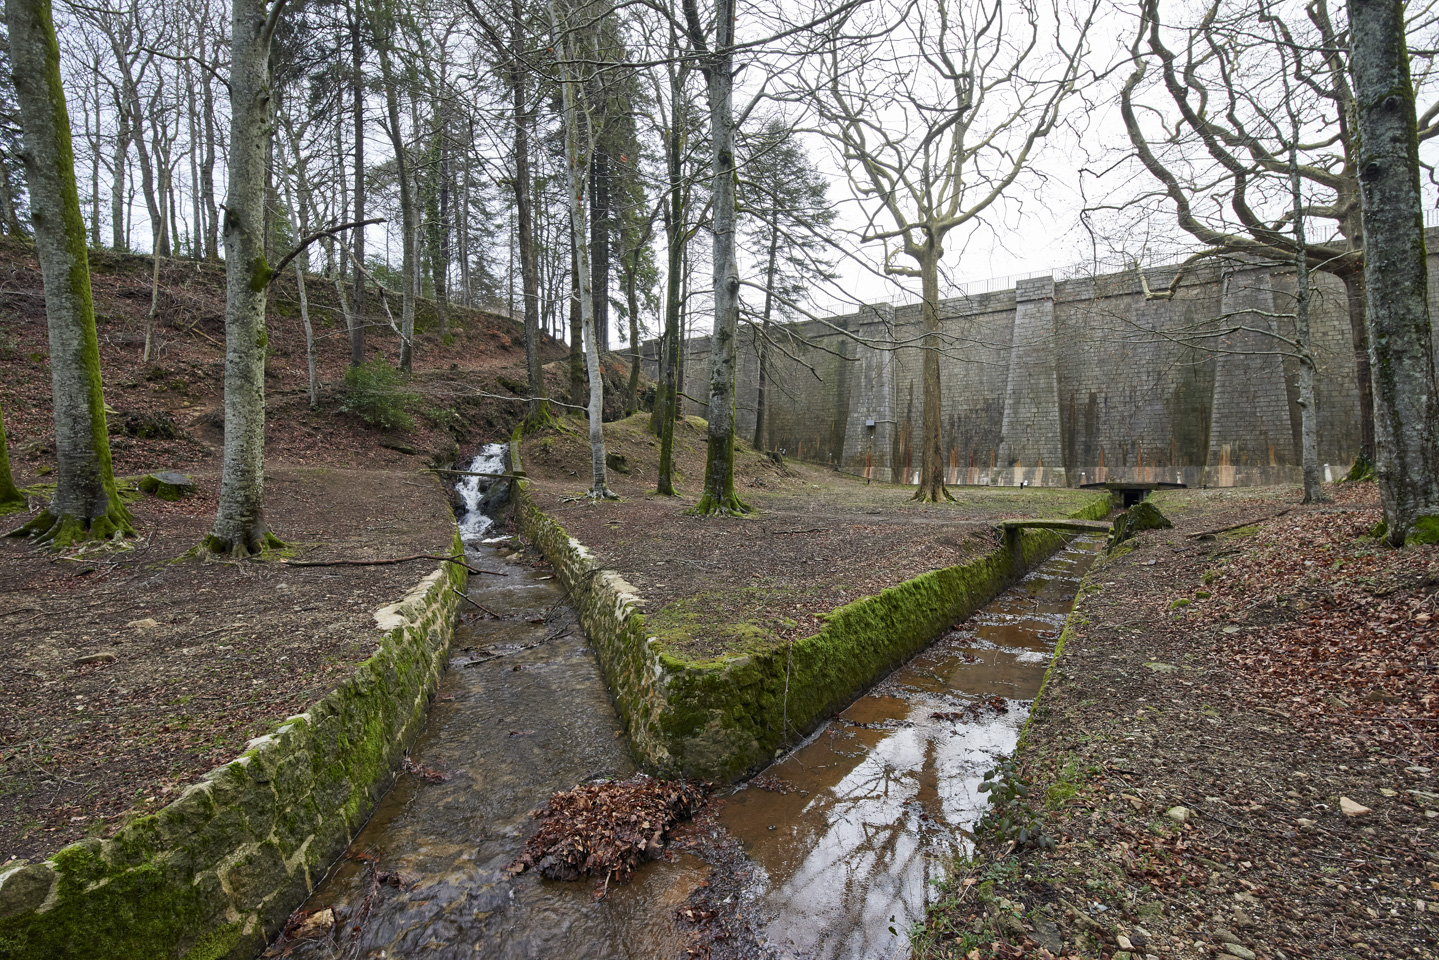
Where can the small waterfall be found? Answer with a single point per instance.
(480, 493)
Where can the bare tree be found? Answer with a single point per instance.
(579, 148)
(1199, 108)
(240, 528)
(716, 59)
(86, 505)
(1401, 336)
(937, 110)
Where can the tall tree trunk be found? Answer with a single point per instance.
(667, 400)
(632, 307)
(142, 152)
(94, 177)
(197, 218)
(357, 64)
(442, 262)
(298, 200)
(86, 504)
(719, 493)
(577, 331)
(1355, 298)
(600, 247)
(539, 413)
(11, 499)
(762, 376)
(1308, 411)
(579, 147)
(117, 190)
(240, 527)
(931, 478)
(408, 231)
(207, 169)
(1401, 341)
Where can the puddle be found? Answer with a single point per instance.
(885, 793)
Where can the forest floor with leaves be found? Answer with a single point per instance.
(125, 674)
(1235, 754)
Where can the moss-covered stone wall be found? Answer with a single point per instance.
(722, 720)
(215, 873)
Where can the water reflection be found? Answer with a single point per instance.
(884, 794)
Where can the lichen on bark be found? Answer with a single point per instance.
(1406, 397)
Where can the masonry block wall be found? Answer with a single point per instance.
(1063, 382)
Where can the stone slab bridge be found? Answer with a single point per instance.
(1011, 530)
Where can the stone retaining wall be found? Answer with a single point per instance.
(215, 873)
(722, 720)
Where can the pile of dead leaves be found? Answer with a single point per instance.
(607, 829)
(1341, 629)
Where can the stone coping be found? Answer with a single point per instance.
(215, 873)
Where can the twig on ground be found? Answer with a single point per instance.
(481, 607)
(389, 561)
(1237, 526)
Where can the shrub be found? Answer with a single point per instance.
(372, 393)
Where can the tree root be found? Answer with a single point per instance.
(253, 547)
(921, 495)
(709, 506)
(68, 530)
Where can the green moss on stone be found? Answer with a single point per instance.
(1424, 530)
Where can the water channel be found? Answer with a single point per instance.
(872, 806)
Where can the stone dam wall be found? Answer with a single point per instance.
(1062, 383)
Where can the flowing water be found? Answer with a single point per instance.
(880, 801)
(522, 712)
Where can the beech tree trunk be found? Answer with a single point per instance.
(86, 505)
(357, 79)
(600, 246)
(240, 527)
(117, 188)
(759, 399)
(579, 146)
(1401, 343)
(577, 331)
(719, 494)
(408, 230)
(931, 478)
(1355, 299)
(539, 413)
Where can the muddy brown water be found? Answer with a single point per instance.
(882, 795)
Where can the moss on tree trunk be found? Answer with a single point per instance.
(11, 499)
(86, 505)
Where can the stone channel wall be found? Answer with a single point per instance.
(1063, 381)
(215, 873)
(720, 720)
